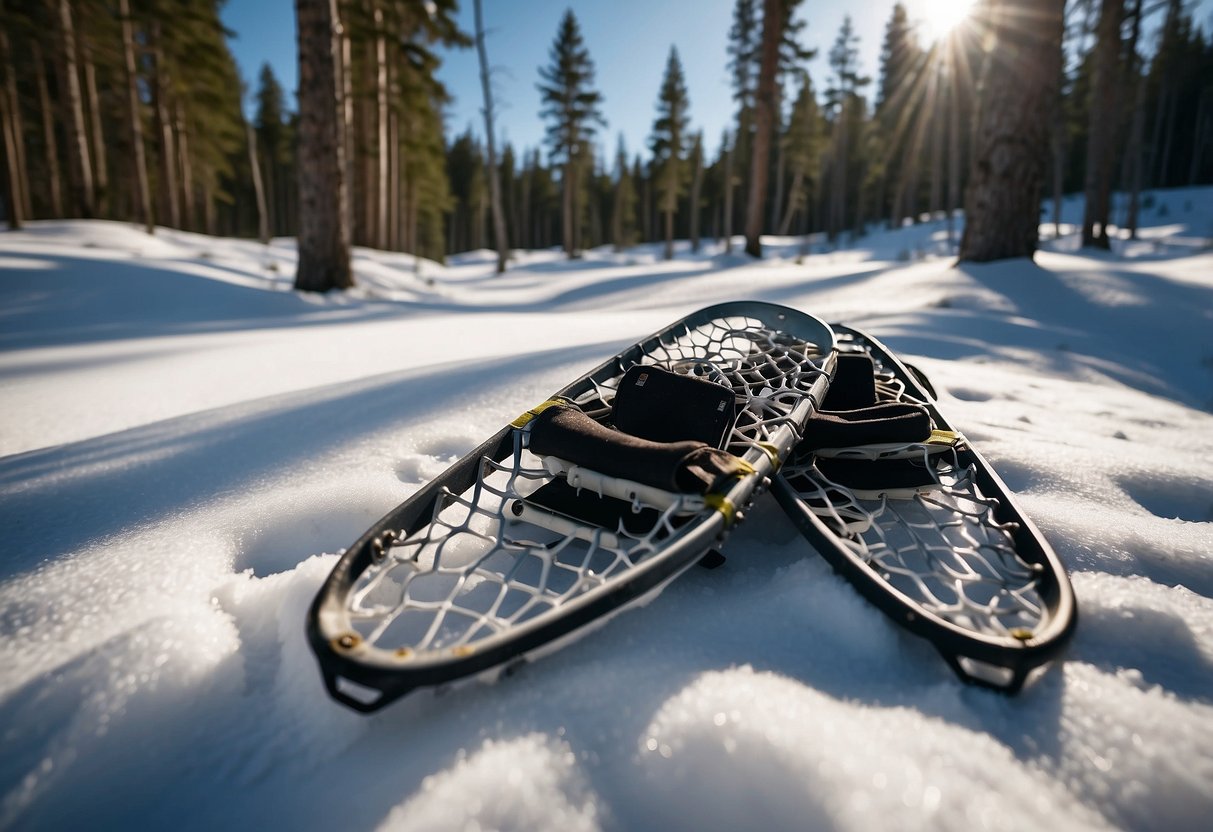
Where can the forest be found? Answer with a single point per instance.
(133, 110)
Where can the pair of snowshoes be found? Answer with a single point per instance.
(596, 499)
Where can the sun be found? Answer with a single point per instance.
(942, 16)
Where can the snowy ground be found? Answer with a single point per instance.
(185, 444)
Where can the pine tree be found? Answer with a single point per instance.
(842, 101)
(773, 22)
(571, 106)
(324, 252)
(1002, 205)
(669, 133)
(623, 210)
(695, 203)
(500, 238)
(1103, 138)
(804, 151)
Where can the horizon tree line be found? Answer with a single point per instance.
(137, 114)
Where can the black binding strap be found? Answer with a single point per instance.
(854, 383)
(691, 467)
(881, 423)
(654, 403)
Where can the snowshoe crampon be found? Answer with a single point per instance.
(919, 523)
(588, 503)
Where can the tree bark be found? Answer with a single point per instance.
(170, 205)
(324, 242)
(142, 189)
(1002, 207)
(263, 214)
(14, 138)
(1103, 127)
(728, 197)
(79, 167)
(100, 163)
(49, 142)
(186, 163)
(764, 117)
(499, 232)
(381, 108)
(12, 173)
(696, 193)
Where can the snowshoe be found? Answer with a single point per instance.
(586, 504)
(905, 509)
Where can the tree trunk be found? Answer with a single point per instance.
(100, 163)
(1102, 131)
(566, 208)
(764, 117)
(186, 163)
(381, 157)
(55, 183)
(79, 167)
(347, 119)
(324, 242)
(728, 198)
(1002, 207)
(170, 207)
(12, 172)
(797, 184)
(142, 189)
(696, 193)
(499, 232)
(18, 172)
(953, 145)
(263, 215)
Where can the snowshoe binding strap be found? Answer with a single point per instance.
(890, 422)
(853, 385)
(656, 404)
(871, 479)
(689, 467)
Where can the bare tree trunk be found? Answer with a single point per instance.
(79, 167)
(764, 117)
(1200, 137)
(263, 217)
(728, 197)
(142, 189)
(953, 145)
(567, 205)
(100, 164)
(12, 172)
(935, 94)
(797, 184)
(696, 193)
(170, 207)
(499, 232)
(347, 113)
(18, 170)
(324, 241)
(55, 184)
(381, 104)
(1002, 208)
(1102, 132)
(185, 160)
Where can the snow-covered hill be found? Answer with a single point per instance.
(185, 444)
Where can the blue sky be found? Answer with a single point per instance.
(629, 41)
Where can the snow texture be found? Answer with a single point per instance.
(186, 445)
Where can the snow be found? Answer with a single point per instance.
(186, 444)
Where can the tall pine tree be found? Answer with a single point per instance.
(571, 106)
(669, 133)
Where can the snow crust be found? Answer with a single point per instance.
(186, 445)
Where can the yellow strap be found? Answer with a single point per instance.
(943, 437)
(722, 504)
(523, 420)
(770, 450)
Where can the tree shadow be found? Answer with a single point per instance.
(57, 499)
(1144, 331)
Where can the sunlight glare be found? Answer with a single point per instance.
(942, 16)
